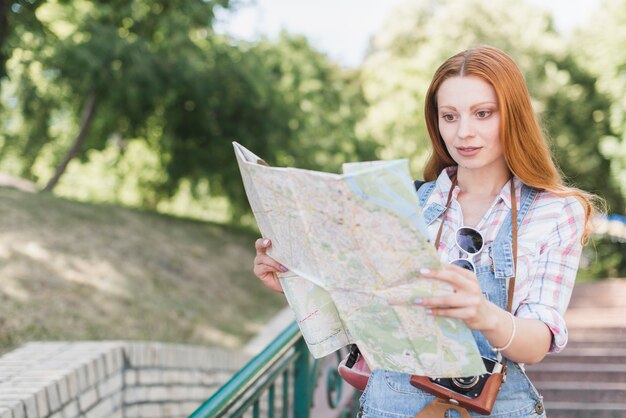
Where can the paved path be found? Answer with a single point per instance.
(17, 183)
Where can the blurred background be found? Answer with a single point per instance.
(117, 118)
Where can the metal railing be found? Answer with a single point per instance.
(281, 381)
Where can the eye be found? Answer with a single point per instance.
(448, 117)
(482, 114)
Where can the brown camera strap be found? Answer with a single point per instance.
(511, 289)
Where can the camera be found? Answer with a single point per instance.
(475, 393)
(471, 386)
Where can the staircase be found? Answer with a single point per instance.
(588, 378)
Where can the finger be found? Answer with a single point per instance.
(266, 259)
(272, 281)
(455, 300)
(262, 244)
(264, 264)
(263, 269)
(447, 269)
(458, 277)
(468, 274)
(448, 312)
(269, 277)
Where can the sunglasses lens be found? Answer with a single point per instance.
(469, 240)
(466, 264)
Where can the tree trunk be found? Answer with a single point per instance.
(89, 109)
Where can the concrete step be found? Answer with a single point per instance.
(588, 379)
(590, 355)
(599, 294)
(576, 372)
(599, 337)
(596, 344)
(597, 334)
(585, 410)
(598, 304)
(596, 392)
(595, 317)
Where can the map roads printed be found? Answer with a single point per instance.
(354, 244)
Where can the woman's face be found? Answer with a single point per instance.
(469, 122)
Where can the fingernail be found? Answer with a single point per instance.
(425, 270)
(266, 242)
(418, 301)
(283, 268)
(429, 311)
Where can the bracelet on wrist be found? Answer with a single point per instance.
(508, 344)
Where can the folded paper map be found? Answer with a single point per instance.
(354, 244)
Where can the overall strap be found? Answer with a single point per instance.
(509, 302)
(526, 200)
(503, 267)
(528, 197)
(525, 203)
(418, 184)
(514, 226)
(438, 239)
(424, 190)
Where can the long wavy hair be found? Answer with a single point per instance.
(524, 145)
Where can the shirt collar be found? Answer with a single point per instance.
(445, 182)
(505, 193)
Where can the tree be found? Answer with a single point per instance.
(23, 38)
(113, 62)
(284, 100)
(600, 49)
(155, 72)
(17, 17)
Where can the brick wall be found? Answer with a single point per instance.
(115, 379)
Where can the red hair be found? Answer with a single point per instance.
(524, 146)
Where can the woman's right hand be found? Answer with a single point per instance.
(265, 267)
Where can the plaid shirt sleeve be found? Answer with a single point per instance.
(553, 270)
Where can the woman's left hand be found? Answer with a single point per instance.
(466, 303)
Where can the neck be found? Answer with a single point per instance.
(482, 183)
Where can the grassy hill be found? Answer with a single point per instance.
(75, 271)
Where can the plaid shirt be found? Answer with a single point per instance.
(548, 249)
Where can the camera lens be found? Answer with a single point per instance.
(465, 383)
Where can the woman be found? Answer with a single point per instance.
(488, 147)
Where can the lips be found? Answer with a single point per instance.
(468, 151)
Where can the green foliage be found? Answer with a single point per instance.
(127, 172)
(160, 75)
(289, 104)
(406, 53)
(172, 95)
(603, 258)
(601, 50)
(398, 70)
(579, 117)
(576, 118)
(17, 20)
(29, 102)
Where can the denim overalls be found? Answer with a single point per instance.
(390, 395)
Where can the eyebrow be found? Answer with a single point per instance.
(471, 107)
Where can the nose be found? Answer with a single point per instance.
(466, 128)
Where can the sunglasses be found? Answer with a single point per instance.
(471, 242)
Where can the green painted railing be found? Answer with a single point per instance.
(280, 381)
